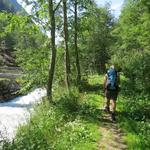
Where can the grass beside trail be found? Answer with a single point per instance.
(73, 123)
(137, 131)
(134, 117)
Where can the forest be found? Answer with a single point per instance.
(66, 47)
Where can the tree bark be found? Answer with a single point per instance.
(67, 59)
(53, 48)
(76, 43)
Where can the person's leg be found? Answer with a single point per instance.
(113, 106)
(113, 115)
(107, 106)
(107, 99)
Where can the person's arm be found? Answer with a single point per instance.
(118, 78)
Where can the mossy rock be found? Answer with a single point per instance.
(8, 89)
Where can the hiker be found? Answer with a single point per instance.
(111, 89)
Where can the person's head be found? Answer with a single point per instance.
(112, 66)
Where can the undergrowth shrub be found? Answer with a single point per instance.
(136, 120)
(71, 101)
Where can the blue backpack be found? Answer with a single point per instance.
(111, 83)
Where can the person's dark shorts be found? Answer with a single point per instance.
(111, 94)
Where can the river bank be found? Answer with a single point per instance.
(9, 85)
(16, 112)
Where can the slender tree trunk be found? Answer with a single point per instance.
(53, 48)
(67, 59)
(76, 43)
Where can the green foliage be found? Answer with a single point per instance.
(60, 126)
(31, 48)
(4, 35)
(137, 132)
(95, 39)
(35, 67)
(131, 49)
(134, 116)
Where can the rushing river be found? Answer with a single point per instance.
(16, 112)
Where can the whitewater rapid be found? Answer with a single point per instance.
(17, 112)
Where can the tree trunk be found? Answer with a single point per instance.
(76, 43)
(53, 48)
(67, 59)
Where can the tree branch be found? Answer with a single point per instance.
(57, 5)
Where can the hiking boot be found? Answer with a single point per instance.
(113, 117)
(107, 109)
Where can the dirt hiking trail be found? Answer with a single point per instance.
(111, 135)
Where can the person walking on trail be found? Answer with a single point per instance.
(111, 89)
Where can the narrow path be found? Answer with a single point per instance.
(112, 136)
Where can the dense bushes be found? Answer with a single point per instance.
(131, 49)
(132, 53)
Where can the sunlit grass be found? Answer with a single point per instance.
(95, 79)
(72, 123)
(137, 130)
